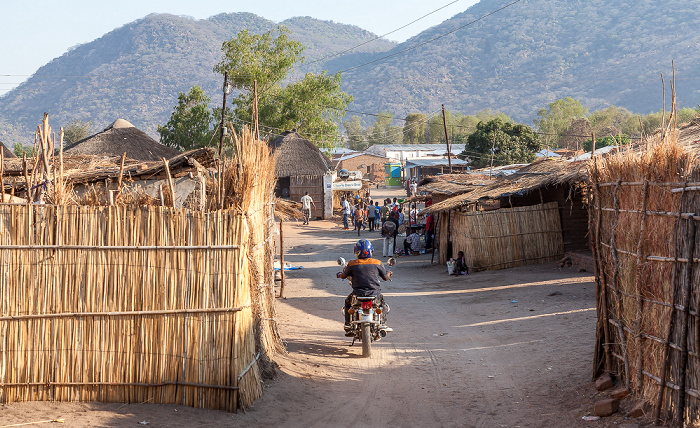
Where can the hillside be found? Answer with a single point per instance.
(136, 71)
(518, 60)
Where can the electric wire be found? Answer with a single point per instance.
(382, 36)
(431, 40)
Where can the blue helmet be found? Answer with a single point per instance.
(363, 249)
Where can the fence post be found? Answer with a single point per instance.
(281, 259)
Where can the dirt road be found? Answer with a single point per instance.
(510, 348)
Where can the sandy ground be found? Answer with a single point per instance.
(510, 348)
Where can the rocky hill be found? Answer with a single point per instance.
(601, 52)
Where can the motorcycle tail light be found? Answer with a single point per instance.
(351, 311)
(379, 310)
(367, 305)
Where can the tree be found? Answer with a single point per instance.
(556, 118)
(313, 105)
(18, 150)
(382, 132)
(192, 124)
(76, 130)
(504, 142)
(355, 134)
(414, 128)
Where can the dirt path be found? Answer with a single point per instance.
(493, 349)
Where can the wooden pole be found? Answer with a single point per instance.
(256, 127)
(27, 184)
(121, 173)
(223, 115)
(281, 259)
(447, 140)
(171, 185)
(2, 174)
(680, 419)
(615, 280)
(603, 290)
(592, 144)
(672, 318)
(638, 291)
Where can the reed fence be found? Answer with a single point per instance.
(508, 237)
(643, 223)
(118, 304)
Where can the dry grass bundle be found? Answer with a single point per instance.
(648, 296)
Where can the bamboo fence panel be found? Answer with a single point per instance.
(646, 249)
(509, 237)
(126, 304)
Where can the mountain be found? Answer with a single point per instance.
(517, 60)
(136, 71)
(533, 52)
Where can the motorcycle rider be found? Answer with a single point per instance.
(364, 273)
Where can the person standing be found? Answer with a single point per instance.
(306, 203)
(371, 216)
(389, 230)
(346, 213)
(358, 217)
(384, 211)
(377, 210)
(414, 187)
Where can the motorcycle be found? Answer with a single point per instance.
(367, 317)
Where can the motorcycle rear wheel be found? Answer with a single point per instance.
(366, 341)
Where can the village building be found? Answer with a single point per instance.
(402, 152)
(7, 153)
(536, 214)
(419, 168)
(122, 137)
(301, 167)
(371, 166)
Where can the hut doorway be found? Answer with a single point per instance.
(282, 188)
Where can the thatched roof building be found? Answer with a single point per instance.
(297, 156)
(301, 167)
(119, 137)
(6, 152)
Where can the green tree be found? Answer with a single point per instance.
(504, 142)
(18, 150)
(355, 133)
(382, 132)
(414, 128)
(76, 130)
(191, 124)
(313, 105)
(556, 118)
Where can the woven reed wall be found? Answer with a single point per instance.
(646, 250)
(508, 237)
(167, 322)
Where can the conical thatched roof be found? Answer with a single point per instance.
(298, 156)
(7, 152)
(120, 137)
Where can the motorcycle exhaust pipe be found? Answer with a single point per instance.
(382, 333)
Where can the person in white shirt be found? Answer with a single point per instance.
(306, 203)
(346, 213)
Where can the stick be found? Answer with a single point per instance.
(601, 276)
(281, 259)
(640, 300)
(684, 323)
(669, 331)
(121, 173)
(60, 421)
(2, 174)
(171, 185)
(615, 280)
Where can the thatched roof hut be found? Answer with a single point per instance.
(297, 156)
(120, 137)
(6, 152)
(301, 167)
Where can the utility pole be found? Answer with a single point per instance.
(447, 139)
(223, 114)
(256, 128)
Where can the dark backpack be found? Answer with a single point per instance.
(388, 228)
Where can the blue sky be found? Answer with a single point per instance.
(33, 33)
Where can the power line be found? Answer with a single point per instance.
(431, 40)
(383, 35)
